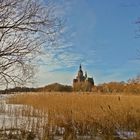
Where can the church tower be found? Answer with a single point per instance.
(82, 82)
(80, 76)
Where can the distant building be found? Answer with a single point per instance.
(82, 82)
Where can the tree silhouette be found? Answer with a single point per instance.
(25, 26)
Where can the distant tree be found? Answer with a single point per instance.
(132, 86)
(135, 80)
(25, 25)
(56, 87)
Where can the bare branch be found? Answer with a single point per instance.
(25, 27)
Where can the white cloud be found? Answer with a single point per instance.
(44, 77)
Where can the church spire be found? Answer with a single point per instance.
(80, 67)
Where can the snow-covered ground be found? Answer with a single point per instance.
(20, 117)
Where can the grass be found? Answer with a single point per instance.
(84, 114)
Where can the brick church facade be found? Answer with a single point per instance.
(82, 82)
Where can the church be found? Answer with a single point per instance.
(82, 82)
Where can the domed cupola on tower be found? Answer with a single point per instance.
(80, 77)
(80, 72)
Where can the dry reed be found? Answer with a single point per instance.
(85, 114)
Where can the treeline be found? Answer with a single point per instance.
(17, 89)
(118, 87)
(56, 87)
(131, 86)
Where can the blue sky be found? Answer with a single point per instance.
(99, 34)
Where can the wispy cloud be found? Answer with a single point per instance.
(60, 59)
(44, 76)
(74, 48)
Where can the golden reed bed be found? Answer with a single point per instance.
(107, 112)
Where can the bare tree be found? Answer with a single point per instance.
(135, 80)
(25, 25)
